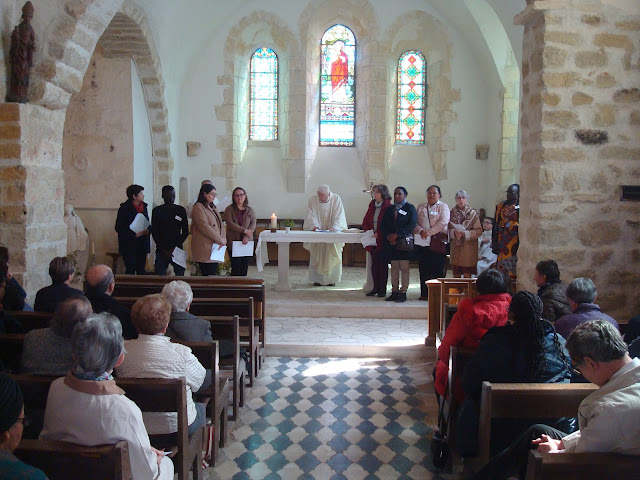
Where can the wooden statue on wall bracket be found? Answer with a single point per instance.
(23, 46)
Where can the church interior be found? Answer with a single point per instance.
(545, 94)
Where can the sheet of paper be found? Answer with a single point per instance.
(139, 223)
(421, 242)
(179, 256)
(458, 227)
(217, 253)
(368, 240)
(240, 250)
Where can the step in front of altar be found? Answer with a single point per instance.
(375, 308)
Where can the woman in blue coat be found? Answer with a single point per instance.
(133, 247)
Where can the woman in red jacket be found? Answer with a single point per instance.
(372, 219)
(472, 320)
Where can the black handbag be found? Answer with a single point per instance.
(405, 244)
(439, 241)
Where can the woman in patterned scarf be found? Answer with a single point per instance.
(464, 230)
(505, 240)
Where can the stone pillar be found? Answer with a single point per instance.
(580, 142)
(32, 191)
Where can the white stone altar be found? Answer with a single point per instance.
(284, 238)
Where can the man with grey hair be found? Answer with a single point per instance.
(582, 295)
(88, 408)
(609, 417)
(325, 213)
(100, 283)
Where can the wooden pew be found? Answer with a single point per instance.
(207, 354)
(226, 309)
(168, 395)
(526, 400)
(64, 460)
(579, 466)
(11, 345)
(204, 287)
(32, 320)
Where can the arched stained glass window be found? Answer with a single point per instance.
(263, 116)
(412, 100)
(337, 87)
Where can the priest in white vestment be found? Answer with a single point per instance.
(325, 213)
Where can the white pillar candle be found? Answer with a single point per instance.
(274, 221)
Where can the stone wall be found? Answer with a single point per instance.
(580, 142)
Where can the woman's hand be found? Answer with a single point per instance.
(458, 234)
(223, 242)
(143, 232)
(159, 455)
(546, 444)
(486, 240)
(423, 234)
(392, 237)
(248, 233)
(245, 240)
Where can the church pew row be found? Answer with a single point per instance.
(151, 395)
(204, 287)
(226, 308)
(579, 466)
(11, 351)
(64, 460)
(526, 400)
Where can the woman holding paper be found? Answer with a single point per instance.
(206, 230)
(433, 218)
(464, 230)
(241, 223)
(132, 225)
(372, 220)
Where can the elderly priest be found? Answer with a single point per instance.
(325, 213)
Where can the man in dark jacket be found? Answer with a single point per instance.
(170, 230)
(133, 246)
(61, 271)
(100, 284)
(581, 293)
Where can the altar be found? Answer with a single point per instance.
(284, 238)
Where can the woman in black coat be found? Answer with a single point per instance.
(397, 224)
(133, 247)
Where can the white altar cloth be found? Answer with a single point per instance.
(283, 239)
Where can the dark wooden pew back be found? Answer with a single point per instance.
(581, 466)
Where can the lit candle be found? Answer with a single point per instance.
(274, 221)
(93, 248)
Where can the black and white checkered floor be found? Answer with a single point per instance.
(331, 418)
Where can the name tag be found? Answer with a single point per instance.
(435, 212)
(402, 212)
(179, 218)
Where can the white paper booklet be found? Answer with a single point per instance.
(217, 253)
(240, 250)
(179, 256)
(139, 223)
(368, 240)
(421, 242)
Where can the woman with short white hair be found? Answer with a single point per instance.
(183, 325)
(88, 408)
(464, 230)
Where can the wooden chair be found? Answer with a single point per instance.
(526, 400)
(579, 466)
(207, 354)
(168, 395)
(64, 460)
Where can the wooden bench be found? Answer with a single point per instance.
(204, 287)
(526, 400)
(64, 460)
(168, 395)
(207, 354)
(11, 345)
(32, 320)
(580, 466)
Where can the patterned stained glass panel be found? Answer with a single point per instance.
(337, 87)
(263, 115)
(412, 90)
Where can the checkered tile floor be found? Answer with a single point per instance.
(328, 418)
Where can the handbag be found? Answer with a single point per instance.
(405, 243)
(439, 241)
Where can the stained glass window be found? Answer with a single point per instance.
(263, 124)
(412, 91)
(337, 87)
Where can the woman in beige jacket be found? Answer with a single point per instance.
(241, 223)
(464, 230)
(206, 229)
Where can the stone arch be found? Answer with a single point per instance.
(128, 35)
(360, 17)
(260, 29)
(419, 30)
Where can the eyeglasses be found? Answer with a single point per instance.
(240, 195)
(25, 421)
(576, 368)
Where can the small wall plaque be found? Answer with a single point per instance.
(482, 152)
(193, 149)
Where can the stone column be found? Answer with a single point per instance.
(32, 191)
(580, 142)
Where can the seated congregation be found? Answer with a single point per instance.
(537, 344)
(103, 369)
